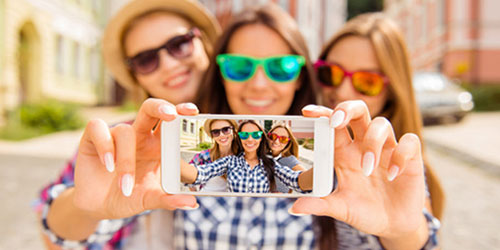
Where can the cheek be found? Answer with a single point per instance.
(286, 92)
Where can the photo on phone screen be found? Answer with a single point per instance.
(288, 143)
(237, 155)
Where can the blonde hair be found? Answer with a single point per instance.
(292, 147)
(401, 107)
(215, 150)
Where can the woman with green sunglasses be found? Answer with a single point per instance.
(250, 171)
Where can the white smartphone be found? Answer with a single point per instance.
(184, 137)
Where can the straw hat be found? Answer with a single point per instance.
(113, 52)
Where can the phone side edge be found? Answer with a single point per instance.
(170, 156)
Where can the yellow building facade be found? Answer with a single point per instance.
(51, 49)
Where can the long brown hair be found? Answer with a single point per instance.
(292, 147)
(262, 151)
(211, 96)
(401, 107)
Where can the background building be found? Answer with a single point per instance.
(461, 38)
(51, 49)
(317, 20)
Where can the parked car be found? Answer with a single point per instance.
(440, 99)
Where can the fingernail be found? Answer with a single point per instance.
(127, 184)
(190, 106)
(310, 107)
(295, 214)
(337, 118)
(190, 208)
(109, 162)
(393, 172)
(368, 163)
(167, 109)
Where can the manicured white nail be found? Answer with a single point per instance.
(190, 106)
(167, 109)
(109, 162)
(337, 118)
(295, 214)
(368, 163)
(190, 208)
(393, 172)
(127, 184)
(310, 107)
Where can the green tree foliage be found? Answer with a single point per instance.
(356, 7)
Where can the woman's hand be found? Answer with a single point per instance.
(117, 170)
(380, 182)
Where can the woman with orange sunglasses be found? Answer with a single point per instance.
(367, 60)
(285, 150)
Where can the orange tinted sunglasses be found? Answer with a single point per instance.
(365, 82)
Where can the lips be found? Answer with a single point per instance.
(177, 80)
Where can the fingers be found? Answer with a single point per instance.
(124, 137)
(98, 137)
(187, 109)
(408, 149)
(378, 136)
(151, 111)
(353, 113)
(316, 111)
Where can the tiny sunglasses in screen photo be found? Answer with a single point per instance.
(225, 130)
(274, 137)
(255, 134)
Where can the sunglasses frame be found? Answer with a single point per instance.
(349, 74)
(246, 135)
(221, 131)
(190, 35)
(270, 134)
(256, 62)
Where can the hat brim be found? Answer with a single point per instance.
(112, 50)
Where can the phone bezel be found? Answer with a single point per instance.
(323, 180)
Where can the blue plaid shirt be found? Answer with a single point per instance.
(241, 178)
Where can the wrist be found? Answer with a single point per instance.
(411, 240)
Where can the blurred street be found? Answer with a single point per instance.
(465, 155)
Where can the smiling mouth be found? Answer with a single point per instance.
(258, 103)
(178, 81)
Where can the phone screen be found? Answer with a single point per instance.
(229, 155)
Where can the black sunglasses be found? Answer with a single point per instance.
(225, 130)
(179, 47)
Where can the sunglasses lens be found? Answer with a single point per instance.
(180, 46)
(368, 83)
(226, 130)
(325, 75)
(215, 132)
(237, 68)
(283, 139)
(283, 69)
(257, 135)
(337, 75)
(145, 62)
(243, 135)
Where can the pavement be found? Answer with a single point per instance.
(475, 140)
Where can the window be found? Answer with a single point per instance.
(77, 59)
(95, 65)
(184, 125)
(60, 54)
(192, 128)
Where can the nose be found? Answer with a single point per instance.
(167, 62)
(259, 81)
(345, 91)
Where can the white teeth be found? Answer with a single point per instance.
(258, 103)
(176, 81)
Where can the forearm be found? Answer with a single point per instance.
(68, 221)
(414, 240)
(189, 173)
(306, 180)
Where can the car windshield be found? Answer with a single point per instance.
(430, 82)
